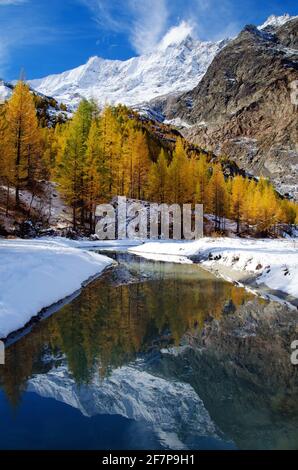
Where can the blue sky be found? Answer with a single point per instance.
(50, 36)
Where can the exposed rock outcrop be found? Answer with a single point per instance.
(243, 106)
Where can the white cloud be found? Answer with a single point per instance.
(143, 22)
(101, 10)
(12, 2)
(149, 24)
(176, 34)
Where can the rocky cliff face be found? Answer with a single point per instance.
(243, 108)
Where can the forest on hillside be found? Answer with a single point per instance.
(99, 154)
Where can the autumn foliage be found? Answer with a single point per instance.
(100, 154)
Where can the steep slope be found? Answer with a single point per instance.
(49, 111)
(174, 66)
(274, 21)
(243, 108)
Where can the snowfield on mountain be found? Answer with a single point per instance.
(276, 21)
(177, 64)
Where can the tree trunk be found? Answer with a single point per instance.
(7, 198)
(17, 171)
(74, 220)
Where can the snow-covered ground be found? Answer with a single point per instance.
(272, 262)
(178, 122)
(89, 244)
(48, 204)
(35, 274)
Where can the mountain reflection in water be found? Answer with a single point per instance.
(188, 360)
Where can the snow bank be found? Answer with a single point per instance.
(87, 243)
(273, 262)
(34, 274)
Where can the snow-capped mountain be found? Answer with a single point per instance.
(248, 113)
(276, 21)
(177, 64)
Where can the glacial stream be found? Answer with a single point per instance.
(154, 355)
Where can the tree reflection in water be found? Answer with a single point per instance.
(235, 350)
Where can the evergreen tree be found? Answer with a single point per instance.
(48, 150)
(287, 211)
(101, 157)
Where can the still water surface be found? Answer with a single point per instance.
(154, 355)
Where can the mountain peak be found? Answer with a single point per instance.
(92, 59)
(276, 21)
(177, 64)
(177, 35)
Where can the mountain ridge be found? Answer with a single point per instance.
(176, 65)
(231, 97)
(242, 106)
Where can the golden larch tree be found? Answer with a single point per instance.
(201, 195)
(238, 192)
(158, 175)
(178, 182)
(22, 138)
(218, 196)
